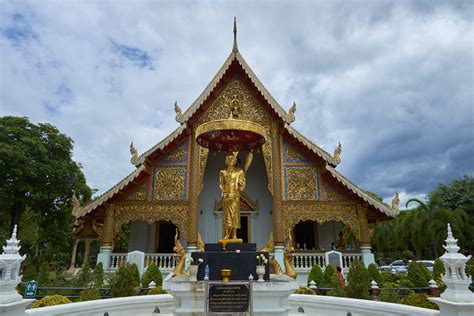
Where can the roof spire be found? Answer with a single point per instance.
(235, 49)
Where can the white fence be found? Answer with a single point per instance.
(165, 261)
(303, 261)
(317, 305)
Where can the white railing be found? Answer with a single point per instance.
(164, 261)
(116, 259)
(349, 258)
(304, 261)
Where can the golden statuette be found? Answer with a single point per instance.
(395, 201)
(200, 243)
(231, 183)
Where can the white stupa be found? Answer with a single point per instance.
(455, 278)
(10, 261)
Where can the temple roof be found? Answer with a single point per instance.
(287, 119)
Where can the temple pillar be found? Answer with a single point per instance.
(87, 250)
(365, 246)
(107, 238)
(277, 215)
(194, 190)
(74, 254)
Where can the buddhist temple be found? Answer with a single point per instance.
(293, 188)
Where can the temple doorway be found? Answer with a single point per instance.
(306, 236)
(164, 237)
(244, 231)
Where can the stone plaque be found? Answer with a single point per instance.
(229, 298)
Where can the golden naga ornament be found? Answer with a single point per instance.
(180, 255)
(337, 154)
(134, 152)
(291, 113)
(395, 201)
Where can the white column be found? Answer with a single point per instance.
(367, 255)
(104, 256)
(87, 250)
(74, 254)
(278, 250)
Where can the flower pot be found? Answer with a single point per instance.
(193, 270)
(260, 273)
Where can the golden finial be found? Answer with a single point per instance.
(291, 112)
(76, 204)
(337, 154)
(179, 113)
(235, 49)
(134, 153)
(395, 201)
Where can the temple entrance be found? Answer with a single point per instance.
(244, 231)
(164, 237)
(306, 236)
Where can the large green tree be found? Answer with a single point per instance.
(37, 179)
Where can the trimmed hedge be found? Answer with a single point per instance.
(358, 280)
(152, 273)
(51, 300)
(316, 275)
(419, 300)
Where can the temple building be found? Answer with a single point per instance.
(292, 187)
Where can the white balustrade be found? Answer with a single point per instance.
(165, 261)
(116, 259)
(304, 261)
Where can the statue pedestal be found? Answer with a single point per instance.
(269, 298)
(240, 258)
(15, 308)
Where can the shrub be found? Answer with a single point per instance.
(51, 300)
(152, 273)
(43, 276)
(389, 295)
(416, 275)
(304, 290)
(420, 300)
(135, 274)
(124, 282)
(375, 274)
(84, 277)
(316, 275)
(90, 293)
(337, 287)
(157, 290)
(98, 274)
(328, 276)
(438, 269)
(358, 280)
(407, 254)
(426, 272)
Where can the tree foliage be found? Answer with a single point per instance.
(125, 282)
(417, 275)
(375, 274)
(152, 273)
(422, 230)
(316, 275)
(37, 178)
(358, 281)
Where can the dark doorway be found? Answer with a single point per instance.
(244, 231)
(165, 232)
(305, 236)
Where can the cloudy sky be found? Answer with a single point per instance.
(392, 81)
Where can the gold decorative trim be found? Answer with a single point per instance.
(322, 212)
(150, 213)
(203, 155)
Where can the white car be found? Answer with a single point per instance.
(398, 266)
(428, 263)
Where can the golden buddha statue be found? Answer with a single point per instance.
(231, 183)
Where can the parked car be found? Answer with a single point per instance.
(399, 266)
(428, 263)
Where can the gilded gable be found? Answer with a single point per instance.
(138, 194)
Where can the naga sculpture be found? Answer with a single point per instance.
(180, 257)
(291, 113)
(274, 265)
(337, 154)
(288, 257)
(134, 153)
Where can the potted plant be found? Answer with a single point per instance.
(193, 269)
(261, 262)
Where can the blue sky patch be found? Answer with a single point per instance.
(19, 30)
(138, 57)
